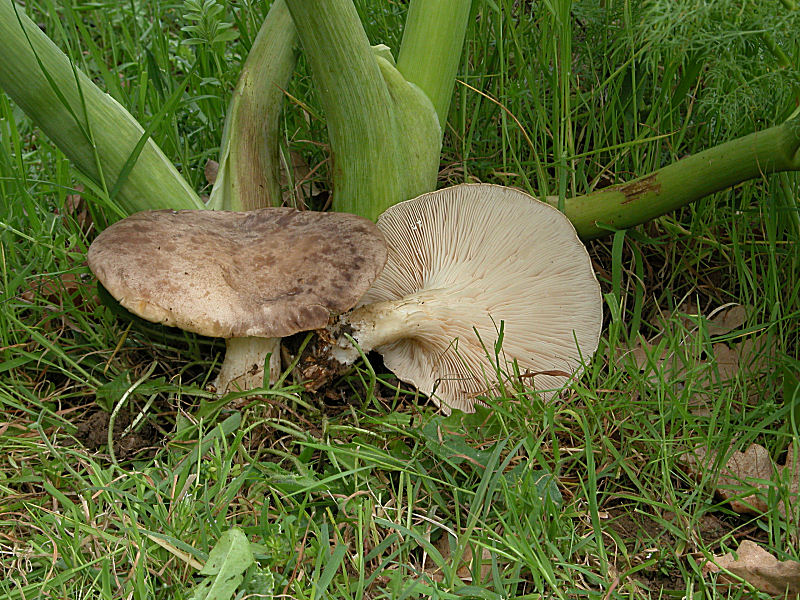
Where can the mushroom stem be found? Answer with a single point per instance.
(248, 166)
(243, 367)
(377, 324)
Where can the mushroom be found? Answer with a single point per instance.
(462, 261)
(249, 277)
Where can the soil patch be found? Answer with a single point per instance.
(646, 538)
(93, 434)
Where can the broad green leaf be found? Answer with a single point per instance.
(446, 440)
(232, 553)
(109, 393)
(225, 567)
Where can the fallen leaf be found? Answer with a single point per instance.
(446, 544)
(62, 291)
(75, 206)
(760, 569)
(684, 356)
(724, 320)
(211, 170)
(753, 470)
(52, 288)
(756, 353)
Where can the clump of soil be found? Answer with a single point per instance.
(315, 366)
(93, 434)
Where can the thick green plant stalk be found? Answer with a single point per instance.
(384, 131)
(621, 206)
(92, 129)
(430, 52)
(249, 174)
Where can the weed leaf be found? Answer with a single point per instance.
(225, 567)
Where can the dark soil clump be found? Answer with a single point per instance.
(93, 434)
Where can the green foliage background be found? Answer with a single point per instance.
(366, 493)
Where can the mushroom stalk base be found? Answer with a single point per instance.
(243, 367)
(375, 325)
(370, 326)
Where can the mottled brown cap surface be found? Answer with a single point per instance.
(268, 273)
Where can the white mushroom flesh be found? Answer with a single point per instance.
(462, 261)
(243, 367)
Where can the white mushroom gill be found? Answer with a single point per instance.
(461, 261)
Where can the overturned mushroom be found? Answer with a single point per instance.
(461, 261)
(249, 277)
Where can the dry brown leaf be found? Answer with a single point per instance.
(790, 474)
(740, 472)
(464, 572)
(760, 569)
(693, 361)
(756, 353)
(76, 207)
(751, 356)
(721, 320)
(53, 288)
(211, 170)
(726, 320)
(59, 292)
(728, 360)
(664, 365)
(753, 468)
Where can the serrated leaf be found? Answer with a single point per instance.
(527, 478)
(109, 393)
(449, 444)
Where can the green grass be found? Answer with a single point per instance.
(367, 492)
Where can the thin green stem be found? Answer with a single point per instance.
(783, 59)
(93, 130)
(249, 162)
(618, 207)
(430, 52)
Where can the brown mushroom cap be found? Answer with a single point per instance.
(267, 273)
(463, 260)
